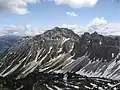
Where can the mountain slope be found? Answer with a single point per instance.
(60, 50)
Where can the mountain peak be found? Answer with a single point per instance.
(58, 33)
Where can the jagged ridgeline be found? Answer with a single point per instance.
(60, 50)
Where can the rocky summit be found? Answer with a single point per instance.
(59, 59)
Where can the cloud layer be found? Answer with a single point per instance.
(77, 3)
(21, 30)
(100, 25)
(16, 6)
(20, 6)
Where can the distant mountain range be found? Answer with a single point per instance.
(61, 51)
(7, 41)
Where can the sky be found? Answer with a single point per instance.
(17, 15)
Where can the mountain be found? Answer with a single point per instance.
(7, 41)
(60, 51)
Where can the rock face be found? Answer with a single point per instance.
(60, 50)
(53, 81)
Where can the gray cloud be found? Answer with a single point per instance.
(16, 6)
